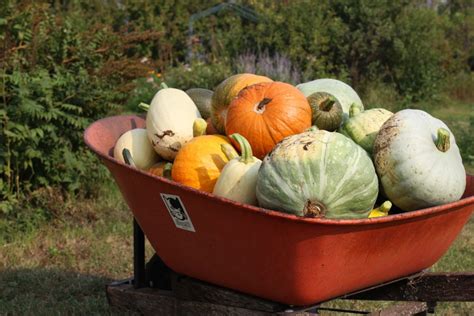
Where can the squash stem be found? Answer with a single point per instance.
(314, 209)
(442, 142)
(127, 156)
(354, 109)
(327, 103)
(144, 106)
(163, 85)
(382, 210)
(199, 127)
(167, 170)
(229, 151)
(246, 155)
(385, 207)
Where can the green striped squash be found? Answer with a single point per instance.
(318, 174)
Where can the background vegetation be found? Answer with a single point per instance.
(64, 64)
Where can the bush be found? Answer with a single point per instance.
(59, 72)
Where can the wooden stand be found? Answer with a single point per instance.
(188, 296)
(156, 290)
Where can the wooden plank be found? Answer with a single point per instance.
(149, 301)
(189, 289)
(190, 297)
(426, 287)
(192, 308)
(403, 309)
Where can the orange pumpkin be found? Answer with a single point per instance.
(225, 92)
(160, 169)
(210, 130)
(199, 163)
(265, 113)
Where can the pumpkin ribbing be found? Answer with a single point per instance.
(199, 163)
(265, 113)
(246, 155)
(225, 92)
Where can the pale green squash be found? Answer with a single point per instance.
(418, 161)
(318, 174)
(363, 126)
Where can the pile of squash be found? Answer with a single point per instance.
(309, 150)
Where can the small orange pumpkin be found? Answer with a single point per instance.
(210, 130)
(199, 163)
(161, 169)
(225, 92)
(265, 113)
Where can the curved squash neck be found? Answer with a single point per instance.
(199, 127)
(246, 150)
(229, 151)
(354, 109)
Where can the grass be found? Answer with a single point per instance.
(62, 267)
(60, 264)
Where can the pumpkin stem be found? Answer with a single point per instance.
(314, 209)
(354, 109)
(144, 106)
(163, 85)
(442, 142)
(199, 127)
(229, 151)
(246, 155)
(127, 156)
(313, 128)
(261, 105)
(327, 103)
(167, 170)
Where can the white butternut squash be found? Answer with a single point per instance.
(169, 121)
(238, 179)
(136, 141)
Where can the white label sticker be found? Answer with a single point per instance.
(177, 211)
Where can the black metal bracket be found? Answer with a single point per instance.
(139, 273)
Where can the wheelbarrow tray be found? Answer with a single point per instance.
(273, 255)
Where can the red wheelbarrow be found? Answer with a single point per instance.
(269, 254)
